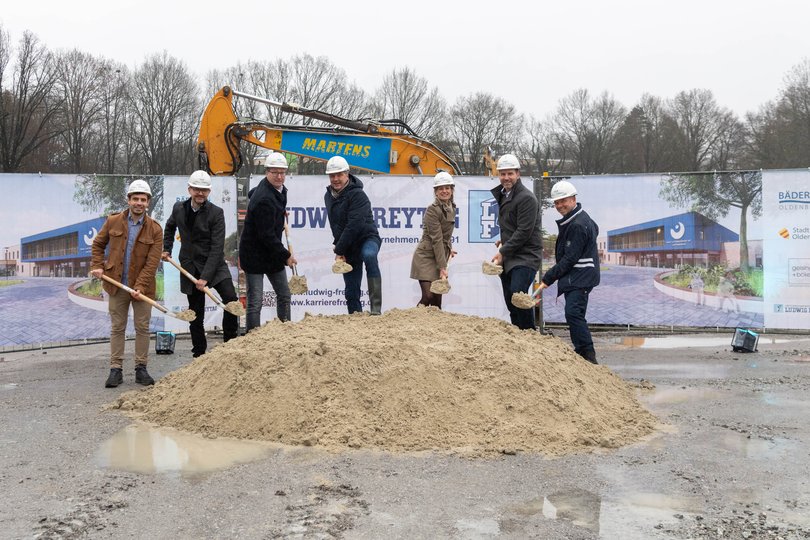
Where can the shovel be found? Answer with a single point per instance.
(524, 300)
(185, 315)
(235, 307)
(298, 284)
(441, 285)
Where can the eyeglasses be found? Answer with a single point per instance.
(276, 173)
(200, 190)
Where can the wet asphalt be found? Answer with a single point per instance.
(730, 461)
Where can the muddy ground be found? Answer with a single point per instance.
(731, 462)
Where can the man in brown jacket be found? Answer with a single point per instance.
(135, 242)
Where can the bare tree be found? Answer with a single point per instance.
(479, 121)
(113, 116)
(778, 135)
(701, 123)
(165, 107)
(588, 129)
(79, 85)
(316, 84)
(406, 96)
(28, 108)
(645, 138)
(542, 148)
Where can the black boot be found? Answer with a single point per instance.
(589, 354)
(142, 376)
(116, 377)
(375, 295)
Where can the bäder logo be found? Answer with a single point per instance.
(483, 217)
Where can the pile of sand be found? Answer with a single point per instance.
(408, 380)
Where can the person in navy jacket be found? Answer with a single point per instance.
(577, 265)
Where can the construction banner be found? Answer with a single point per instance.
(786, 208)
(398, 205)
(675, 250)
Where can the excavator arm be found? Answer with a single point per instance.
(370, 146)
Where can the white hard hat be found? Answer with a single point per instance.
(200, 180)
(336, 164)
(139, 186)
(276, 161)
(562, 189)
(443, 179)
(508, 161)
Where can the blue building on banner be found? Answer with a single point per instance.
(62, 252)
(688, 238)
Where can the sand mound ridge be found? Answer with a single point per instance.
(409, 380)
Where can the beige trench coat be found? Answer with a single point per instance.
(433, 249)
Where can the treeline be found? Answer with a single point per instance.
(71, 112)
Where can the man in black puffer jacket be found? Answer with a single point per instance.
(261, 252)
(357, 240)
(577, 268)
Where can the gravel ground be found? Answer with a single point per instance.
(730, 462)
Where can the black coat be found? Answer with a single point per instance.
(202, 247)
(519, 220)
(260, 248)
(576, 253)
(350, 218)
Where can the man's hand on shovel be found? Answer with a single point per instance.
(234, 307)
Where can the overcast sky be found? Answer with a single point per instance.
(531, 53)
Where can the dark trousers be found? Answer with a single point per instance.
(518, 279)
(230, 322)
(576, 304)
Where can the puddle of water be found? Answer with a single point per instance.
(588, 510)
(679, 341)
(671, 395)
(145, 449)
(755, 448)
(694, 370)
(777, 401)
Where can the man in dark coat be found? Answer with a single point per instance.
(357, 240)
(202, 252)
(520, 248)
(261, 251)
(577, 265)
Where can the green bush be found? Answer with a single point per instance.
(749, 283)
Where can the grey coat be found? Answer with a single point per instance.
(433, 250)
(519, 220)
(202, 248)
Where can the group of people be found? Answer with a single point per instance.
(130, 245)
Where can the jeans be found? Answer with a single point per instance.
(119, 311)
(230, 322)
(518, 279)
(255, 297)
(576, 303)
(352, 280)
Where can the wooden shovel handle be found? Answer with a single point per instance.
(190, 276)
(289, 245)
(130, 290)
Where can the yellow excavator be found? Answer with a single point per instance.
(374, 146)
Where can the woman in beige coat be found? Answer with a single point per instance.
(434, 249)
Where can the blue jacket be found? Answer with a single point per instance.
(350, 218)
(575, 252)
(260, 247)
